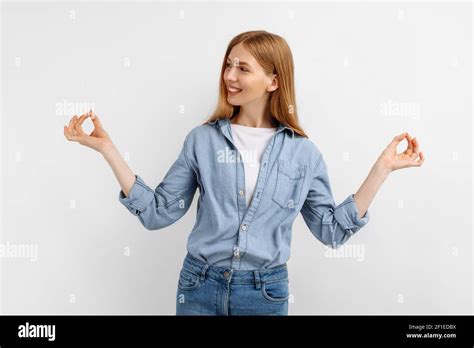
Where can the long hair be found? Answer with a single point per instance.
(274, 55)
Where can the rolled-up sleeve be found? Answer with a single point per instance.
(332, 225)
(169, 201)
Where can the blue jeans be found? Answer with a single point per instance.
(205, 289)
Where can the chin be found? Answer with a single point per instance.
(233, 103)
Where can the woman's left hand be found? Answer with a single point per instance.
(390, 160)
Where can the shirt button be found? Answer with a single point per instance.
(244, 227)
(241, 192)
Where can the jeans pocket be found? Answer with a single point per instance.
(276, 291)
(289, 184)
(188, 279)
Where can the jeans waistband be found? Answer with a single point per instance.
(228, 274)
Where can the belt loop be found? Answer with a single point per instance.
(256, 275)
(204, 269)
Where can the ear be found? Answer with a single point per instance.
(274, 84)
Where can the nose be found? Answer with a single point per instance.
(229, 75)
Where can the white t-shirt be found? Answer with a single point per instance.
(251, 143)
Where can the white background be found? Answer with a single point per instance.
(365, 72)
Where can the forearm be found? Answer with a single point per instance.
(122, 171)
(367, 191)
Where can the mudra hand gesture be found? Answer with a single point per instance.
(391, 160)
(97, 140)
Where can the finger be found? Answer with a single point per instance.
(420, 161)
(416, 145)
(71, 121)
(78, 124)
(396, 140)
(69, 136)
(95, 120)
(412, 159)
(66, 133)
(71, 124)
(409, 139)
(74, 126)
(409, 149)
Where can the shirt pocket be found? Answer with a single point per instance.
(289, 184)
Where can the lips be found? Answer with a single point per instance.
(233, 89)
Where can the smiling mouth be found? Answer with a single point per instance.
(233, 91)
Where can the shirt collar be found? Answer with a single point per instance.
(222, 122)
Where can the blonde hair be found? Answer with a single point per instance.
(274, 55)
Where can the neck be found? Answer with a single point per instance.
(250, 119)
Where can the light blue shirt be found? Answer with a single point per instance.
(293, 179)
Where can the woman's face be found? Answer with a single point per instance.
(244, 73)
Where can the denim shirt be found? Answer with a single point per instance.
(293, 179)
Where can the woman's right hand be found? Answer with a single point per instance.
(97, 140)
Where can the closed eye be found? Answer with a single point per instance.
(241, 68)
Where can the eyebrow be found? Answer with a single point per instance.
(240, 63)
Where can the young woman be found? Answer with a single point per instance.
(256, 170)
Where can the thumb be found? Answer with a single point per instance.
(95, 120)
